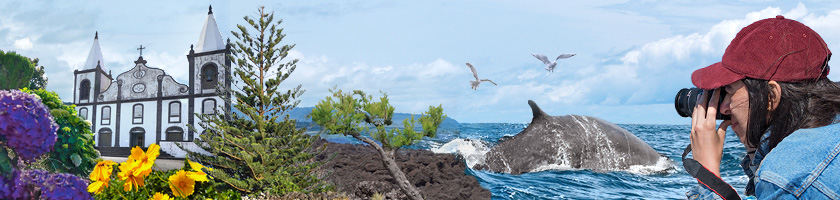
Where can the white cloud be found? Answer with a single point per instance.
(411, 87)
(23, 44)
(529, 74)
(656, 70)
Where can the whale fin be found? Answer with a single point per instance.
(536, 109)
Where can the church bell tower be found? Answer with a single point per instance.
(209, 67)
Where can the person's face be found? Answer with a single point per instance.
(737, 105)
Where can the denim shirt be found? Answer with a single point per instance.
(800, 167)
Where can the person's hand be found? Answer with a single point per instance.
(706, 138)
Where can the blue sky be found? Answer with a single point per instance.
(632, 56)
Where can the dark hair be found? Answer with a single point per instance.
(807, 104)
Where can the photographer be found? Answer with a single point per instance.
(782, 108)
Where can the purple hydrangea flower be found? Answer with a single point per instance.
(26, 124)
(56, 186)
(14, 188)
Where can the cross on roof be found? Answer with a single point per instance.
(141, 50)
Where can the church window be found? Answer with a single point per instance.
(175, 112)
(137, 117)
(209, 76)
(208, 107)
(106, 115)
(83, 113)
(84, 90)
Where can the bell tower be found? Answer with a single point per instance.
(209, 66)
(90, 81)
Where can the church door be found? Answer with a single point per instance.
(105, 137)
(174, 134)
(138, 136)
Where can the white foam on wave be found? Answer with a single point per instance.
(473, 151)
(549, 167)
(664, 165)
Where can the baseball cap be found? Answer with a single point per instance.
(776, 49)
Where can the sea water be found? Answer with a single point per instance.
(665, 180)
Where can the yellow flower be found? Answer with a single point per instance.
(159, 196)
(128, 174)
(145, 160)
(181, 184)
(198, 175)
(97, 186)
(102, 171)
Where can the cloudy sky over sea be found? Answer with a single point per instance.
(632, 56)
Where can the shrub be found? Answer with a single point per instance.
(135, 179)
(73, 151)
(27, 131)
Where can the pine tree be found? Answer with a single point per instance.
(15, 70)
(343, 113)
(260, 149)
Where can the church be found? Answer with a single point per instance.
(145, 105)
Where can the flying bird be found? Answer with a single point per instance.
(549, 65)
(477, 81)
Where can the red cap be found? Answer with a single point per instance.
(776, 49)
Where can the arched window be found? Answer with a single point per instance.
(175, 112)
(209, 76)
(106, 115)
(84, 90)
(105, 137)
(208, 106)
(137, 117)
(83, 112)
(175, 134)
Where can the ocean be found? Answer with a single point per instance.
(664, 180)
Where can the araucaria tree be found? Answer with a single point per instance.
(343, 113)
(260, 149)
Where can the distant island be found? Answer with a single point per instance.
(301, 115)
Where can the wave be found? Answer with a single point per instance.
(473, 151)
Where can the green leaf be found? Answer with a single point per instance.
(77, 160)
(5, 162)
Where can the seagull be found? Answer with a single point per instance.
(551, 64)
(477, 81)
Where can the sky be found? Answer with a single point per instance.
(632, 56)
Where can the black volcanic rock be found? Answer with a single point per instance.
(357, 170)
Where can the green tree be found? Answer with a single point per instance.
(38, 81)
(260, 149)
(15, 71)
(343, 113)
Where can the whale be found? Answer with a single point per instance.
(568, 142)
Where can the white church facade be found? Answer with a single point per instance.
(145, 105)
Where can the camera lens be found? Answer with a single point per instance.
(687, 98)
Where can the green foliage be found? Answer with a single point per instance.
(6, 164)
(74, 148)
(158, 181)
(260, 150)
(343, 113)
(15, 71)
(38, 81)
(377, 196)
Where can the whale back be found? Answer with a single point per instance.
(571, 141)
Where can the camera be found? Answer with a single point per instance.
(687, 98)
